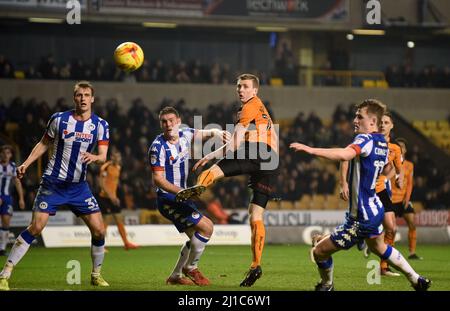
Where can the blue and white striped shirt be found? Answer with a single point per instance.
(70, 139)
(7, 173)
(172, 159)
(372, 155)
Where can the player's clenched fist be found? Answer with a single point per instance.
(21, 171)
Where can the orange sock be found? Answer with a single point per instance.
(122, 232)
(258, 237)
(207, 178)
(412, 241)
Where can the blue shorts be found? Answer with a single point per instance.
(6, 207)
(353, 231)
(183, 214)
(77, 196)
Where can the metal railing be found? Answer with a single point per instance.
(347, 78)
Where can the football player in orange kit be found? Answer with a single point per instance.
(107, 199)
(401, 200)
(252, 150)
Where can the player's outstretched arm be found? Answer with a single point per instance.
(38, 150)
(205, 134)
(334, 154)
(233, 144)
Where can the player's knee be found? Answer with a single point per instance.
(99, 233)
(206, 228)
(390, 232)
(36, 228)
(319, 254)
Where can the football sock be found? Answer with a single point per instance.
(4, 234)
(412, 241)
(198, 244)
(97, 255)
(326, 270)
(207, 177)
(258, 237)
(182, 260)
(18, 250)
(395, 258)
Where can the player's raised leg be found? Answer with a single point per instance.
(95, 224)
(21, 246)
(204, 180)
(396, 259)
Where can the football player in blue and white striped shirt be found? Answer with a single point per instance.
(8, 176)
(364, 221)
(169, 159)
(73, 135)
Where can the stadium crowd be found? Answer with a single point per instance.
(156, 71)
(140, 126)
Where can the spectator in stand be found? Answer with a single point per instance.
(393, 76)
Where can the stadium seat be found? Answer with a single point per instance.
(331, 202)
(431, 124)
(318, 201)
(418, 124)
(368, 84)
(305, 202)
(276, 82)
(287, 205)
(382, 84)
(443, 125)
(271, 205)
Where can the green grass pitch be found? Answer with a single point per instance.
(285, 268)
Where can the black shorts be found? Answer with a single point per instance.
(385, 200)
(400, 210)
(258, 161)
(107, 207)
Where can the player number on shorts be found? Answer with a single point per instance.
(378, 167)
(92, 203)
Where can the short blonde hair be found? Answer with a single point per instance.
(374, 107)
(83, 84)
(249, 76)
